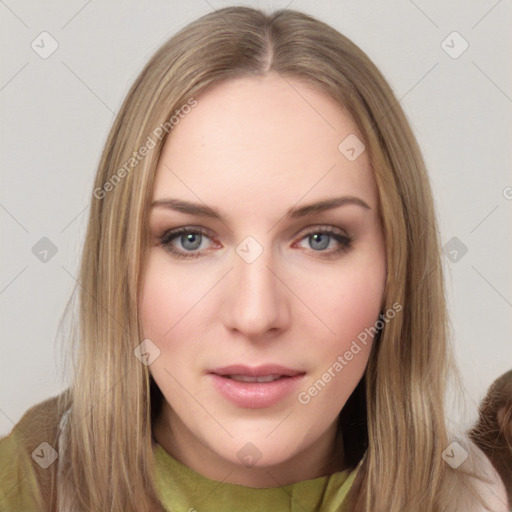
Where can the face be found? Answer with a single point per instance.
(240, 274)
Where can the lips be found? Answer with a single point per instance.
(268, 370)
(247, 378)
(257, 386)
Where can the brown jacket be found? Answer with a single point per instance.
(29, 459)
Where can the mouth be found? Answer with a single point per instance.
(255, 387)
(247, 378)
(262, 373)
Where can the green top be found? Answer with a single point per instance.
(180, 488)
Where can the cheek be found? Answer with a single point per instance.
(359, 304)
(155, 311)
(348, 305)
(340, 363)
(166, 298)
(347, 301)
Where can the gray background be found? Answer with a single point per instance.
(57, 111)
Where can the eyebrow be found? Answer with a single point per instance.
(202, 210)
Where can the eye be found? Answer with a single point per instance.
(190, 239)
(319, 238)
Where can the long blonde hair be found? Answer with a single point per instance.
(108, 463)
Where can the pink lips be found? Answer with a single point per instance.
(278, 382)
(256, 371)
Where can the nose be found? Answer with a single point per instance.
(257, 302)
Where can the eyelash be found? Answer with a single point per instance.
(168, 236)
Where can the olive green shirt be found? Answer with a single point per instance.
(180, 488)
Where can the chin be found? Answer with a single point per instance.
(263, 449)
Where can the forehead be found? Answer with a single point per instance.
(258, 139)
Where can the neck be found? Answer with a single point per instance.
(322, 458)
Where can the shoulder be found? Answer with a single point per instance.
(18, 484)
(485, 489)
(40, 423)
(28, 454)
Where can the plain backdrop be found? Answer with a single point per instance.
(56, 113)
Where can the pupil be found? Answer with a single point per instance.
(190, 237)
(321, 245)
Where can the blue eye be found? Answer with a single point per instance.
(319, 239)
(190, 239)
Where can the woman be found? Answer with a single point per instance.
(258, 367)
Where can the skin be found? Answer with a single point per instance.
(253, 148)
